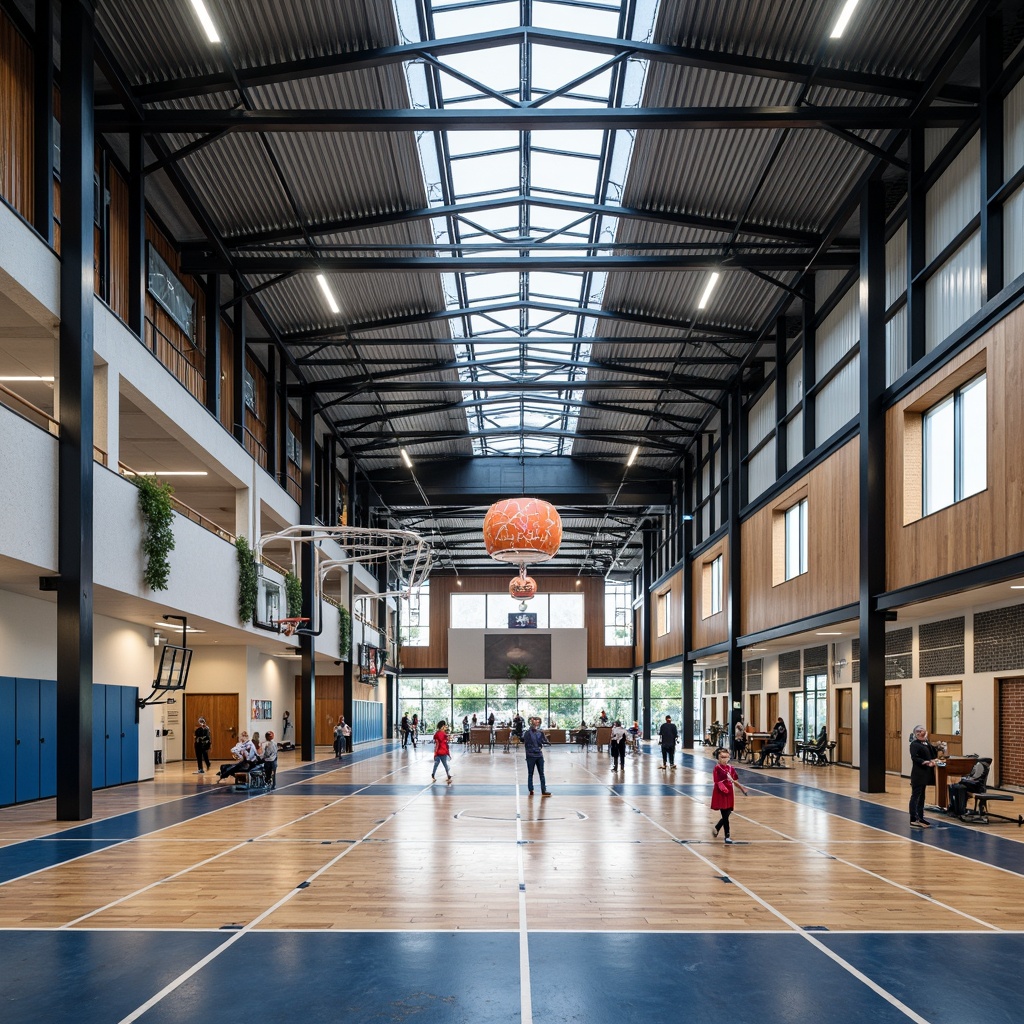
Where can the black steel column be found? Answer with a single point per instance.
(349, 665)
(645, 627)
(809, 364)
(282, 427)
(137, 233)
(272, 402)
(686, 529)
(238, 390)
(991, 157)
(916, 238)
(213, 344)
(307, 642)
(75, 410)
(872, 488)
(781, 447)
(733, 604)
(42, 122)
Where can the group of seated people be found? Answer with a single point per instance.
(252, 754)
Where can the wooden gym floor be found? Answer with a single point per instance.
(360, 890)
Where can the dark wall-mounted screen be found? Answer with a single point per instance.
(530, 649)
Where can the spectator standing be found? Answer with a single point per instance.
(668, 734)
(414, 728)
(442, 753)
(923, 755)
(405, 730)
(739, 739)
(723, 796)
(202, 743)
(534, 742)
(346, 736)
(617, 746)
(270, 760)
(339, 741)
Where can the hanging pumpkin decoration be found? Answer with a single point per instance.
(522, 530)
(522, 588)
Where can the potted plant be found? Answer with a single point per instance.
(517, 672)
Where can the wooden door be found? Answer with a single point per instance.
(330, 703)
(755, 711)
(894, 729)
(844, 726)
(221, 713)
(773, 712)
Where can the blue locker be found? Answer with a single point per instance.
(47, 738)
(99, 729)
(113, 736)
(26, 740)
(7, 730)
(129, 734)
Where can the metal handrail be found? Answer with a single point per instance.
(48, 422)
(186, 510)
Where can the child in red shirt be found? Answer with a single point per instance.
(441, 751)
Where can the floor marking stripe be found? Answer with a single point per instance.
(525, 989)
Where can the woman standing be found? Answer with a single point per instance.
(441, 751)
(617, 746)
(723, 796)
(923, 754)
(202, 742)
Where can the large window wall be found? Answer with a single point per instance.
(566, 705)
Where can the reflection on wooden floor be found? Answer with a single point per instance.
(371, 844)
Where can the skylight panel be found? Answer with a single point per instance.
(485, 18)
(601, 19)
(555, 172)
(460, 143)
(479, 174)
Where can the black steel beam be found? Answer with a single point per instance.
(288, 263)
(213, 390)
(341, 120)
(656, 440)
(345, 386)
(75, 524)
(457, 209)
(42, 121)
(734, 582)
(308, 561)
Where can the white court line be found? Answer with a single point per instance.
(235, 936)
(525, 989)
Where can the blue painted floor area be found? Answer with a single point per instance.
(35, 854)
(981, 982)
(93, 977)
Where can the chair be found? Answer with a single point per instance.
(975, 785)
(817, 753)
(255, 777)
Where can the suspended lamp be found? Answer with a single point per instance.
(522, 587)
(522, 531)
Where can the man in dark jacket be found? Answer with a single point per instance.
(923, 754)
(534, 742)
(668, 734)
(776, 742)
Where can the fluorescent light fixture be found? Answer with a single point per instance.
(844, 17)
(632, 455)
(1017, 586)
(26, 380)
(328, 294)
(405, 458)
(828, 634)
(174, 625)
(169, 472)
(708, 289)
(206, 21)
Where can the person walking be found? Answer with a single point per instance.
(739, 738)
(668, 734)
(723, 796)
(339, 741)
(405, 730)
(534, 742)
(442, 752)
(414, 728)
(923, 755)
(617, 746)
(202, 743)
(346, 736)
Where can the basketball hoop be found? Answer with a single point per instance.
(288, 626)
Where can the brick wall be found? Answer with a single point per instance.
(1011, 728)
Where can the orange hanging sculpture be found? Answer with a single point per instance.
(522, 588)
(522, 530)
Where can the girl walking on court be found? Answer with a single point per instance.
(723, 795)
(441, 752)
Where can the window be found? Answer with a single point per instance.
(618, 614)
(796, 540)
(415, 613)
(954, 447)
(664, 612)
(716, 585)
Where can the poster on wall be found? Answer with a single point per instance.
(267, 706)
(530, 649)
(257, 711)
(522, 620)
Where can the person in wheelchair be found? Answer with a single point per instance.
(973, 783)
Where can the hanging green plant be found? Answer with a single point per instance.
(248, 581)
(293, 594)
(344, 631)
(158, 515)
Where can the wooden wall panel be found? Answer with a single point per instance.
(714, 629)
(16, 158)
(435, 657)
(832, 539)
(227, 375)
(671, 644)
(988, 525)
(256, 421)
(118, 244)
